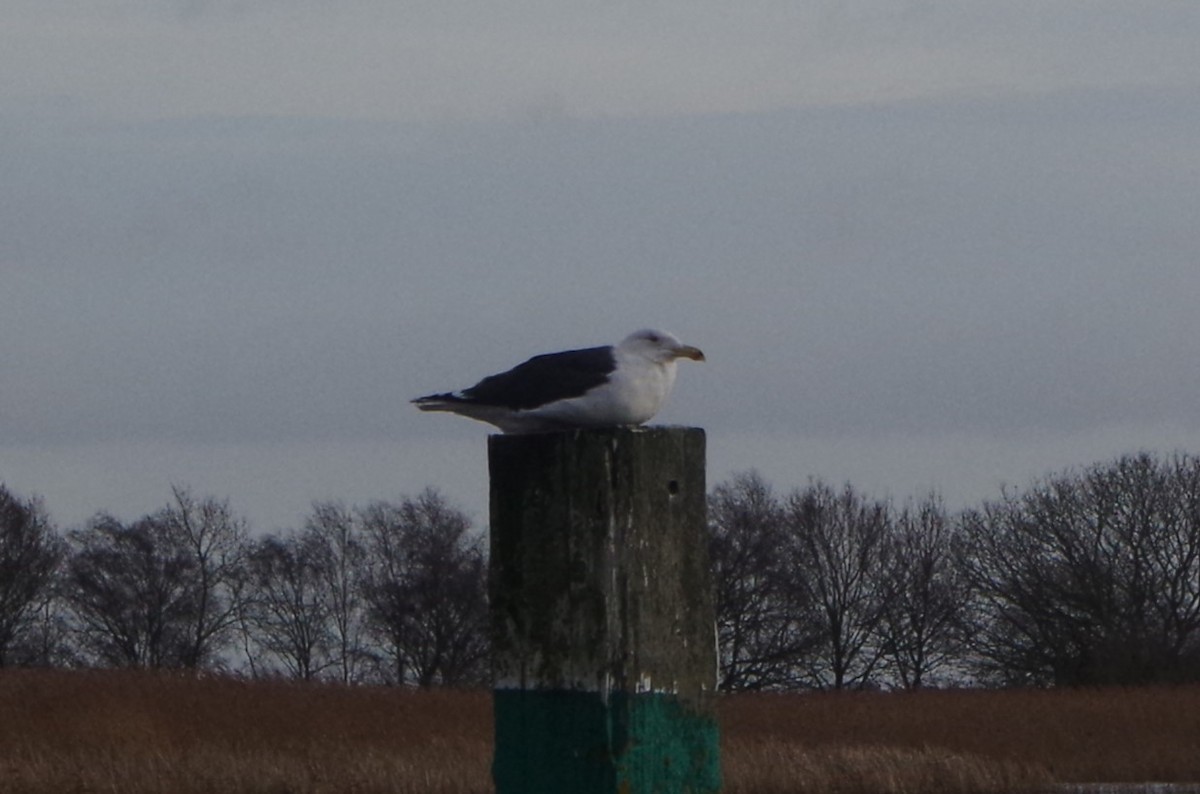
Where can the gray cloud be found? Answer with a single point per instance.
(487, 61)
(947, 263)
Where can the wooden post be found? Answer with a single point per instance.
(602, 618)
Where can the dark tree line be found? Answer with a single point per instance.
(1088, 577)
(389, 593)
(394, 592)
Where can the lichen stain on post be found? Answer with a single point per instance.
(603, 630)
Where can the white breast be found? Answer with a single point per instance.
(633, 394)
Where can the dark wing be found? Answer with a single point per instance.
(545, 379)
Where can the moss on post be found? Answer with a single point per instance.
(602, 617)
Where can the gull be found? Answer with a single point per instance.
(620, 385)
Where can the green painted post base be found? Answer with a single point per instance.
(563, 742)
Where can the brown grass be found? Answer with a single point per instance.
(141, 733)
(781, 767)
(1111, 735)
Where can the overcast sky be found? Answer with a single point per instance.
(925, 245)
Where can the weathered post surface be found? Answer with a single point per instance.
(602, 615)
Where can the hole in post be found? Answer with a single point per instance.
(673, 487)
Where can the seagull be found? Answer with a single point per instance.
(610, 386)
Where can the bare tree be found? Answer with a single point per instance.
(217, 542)
(925, 595)
(288, 608)
(1091, 578)
(130, 589)
(160, 592)
(30, 553)
(761, 633)
(427, 590)
(334, 530)
(837, 554)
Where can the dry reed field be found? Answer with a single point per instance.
(141, 732)
(966, 740)
(137, 733)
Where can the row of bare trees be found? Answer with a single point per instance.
(1088, 577)
(1093, 578)
(393, 592)
(825, 588)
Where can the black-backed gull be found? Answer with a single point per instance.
(609, 386)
